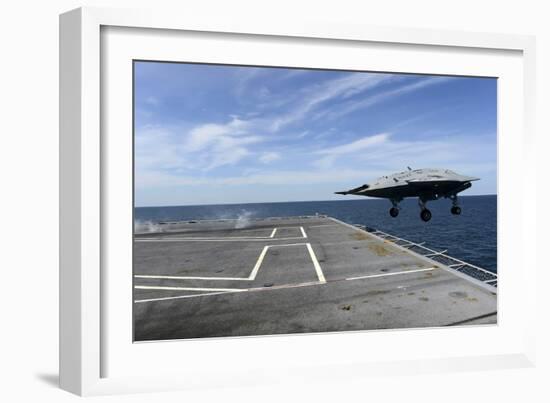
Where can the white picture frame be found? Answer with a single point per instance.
(87, 317)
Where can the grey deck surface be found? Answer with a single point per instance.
(210, 279)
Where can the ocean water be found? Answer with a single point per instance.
(471, 236)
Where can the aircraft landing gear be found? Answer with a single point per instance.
(394, 211)
(425, 214)
(455, 210)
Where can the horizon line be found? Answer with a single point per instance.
(288, 201)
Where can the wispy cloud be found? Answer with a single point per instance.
(229, 151)
(269, 132)
(357, 145)
(268, 157)
(202, 148)
(206, 134)
(339, 88)
(279, 177)
(350, 92)
(355, 105)
(331, 154)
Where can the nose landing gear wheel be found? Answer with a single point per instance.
(456, 210)
(394, 212)
(426, 215)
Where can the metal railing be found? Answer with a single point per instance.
(486, 276)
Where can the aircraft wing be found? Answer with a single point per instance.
(439, 181)
(353, 191)
(431, 182)
(446, 185)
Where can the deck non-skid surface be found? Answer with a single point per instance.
(275, 276)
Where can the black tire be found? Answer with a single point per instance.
(456, 210)
(394, 212)
(426, 215)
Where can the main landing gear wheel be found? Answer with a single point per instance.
(394, 212)
(426, 215)
(456, 210)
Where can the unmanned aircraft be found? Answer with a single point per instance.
(426, 184)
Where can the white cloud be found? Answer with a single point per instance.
(355, 146)
(458, 153)
(182, 150)
(355, 105)
(229, 151)
(156, 147)
(297, 177)
(268, 157)
(291, 177)
(221, 157)
(314, 96)
(204, 135)
(232, 153)
(311, 101)
(214, 145)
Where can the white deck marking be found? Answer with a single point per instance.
(255, 289)
(215, 239)
(271, 237)
(390, 274)
(179, 297)
(154, 287)
(318, 270)
(251, 277)
(204, 238)
(258, 263)
(287, 244)
(285, 286)
(153, 276)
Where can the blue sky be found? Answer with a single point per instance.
(207, 134)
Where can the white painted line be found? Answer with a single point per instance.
(214, 239)
(179, 297)
(390, 274)
(202, 238)
(318, 270)
(229, 238)
(288, 244)
(154, 287)
(256, 289)
(321, 281)
(258, 263)
(285, 286)
(191, 278)
(251, 277)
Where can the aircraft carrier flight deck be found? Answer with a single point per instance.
(297, 275)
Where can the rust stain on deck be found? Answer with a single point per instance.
(361, 236)
(380, 250)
